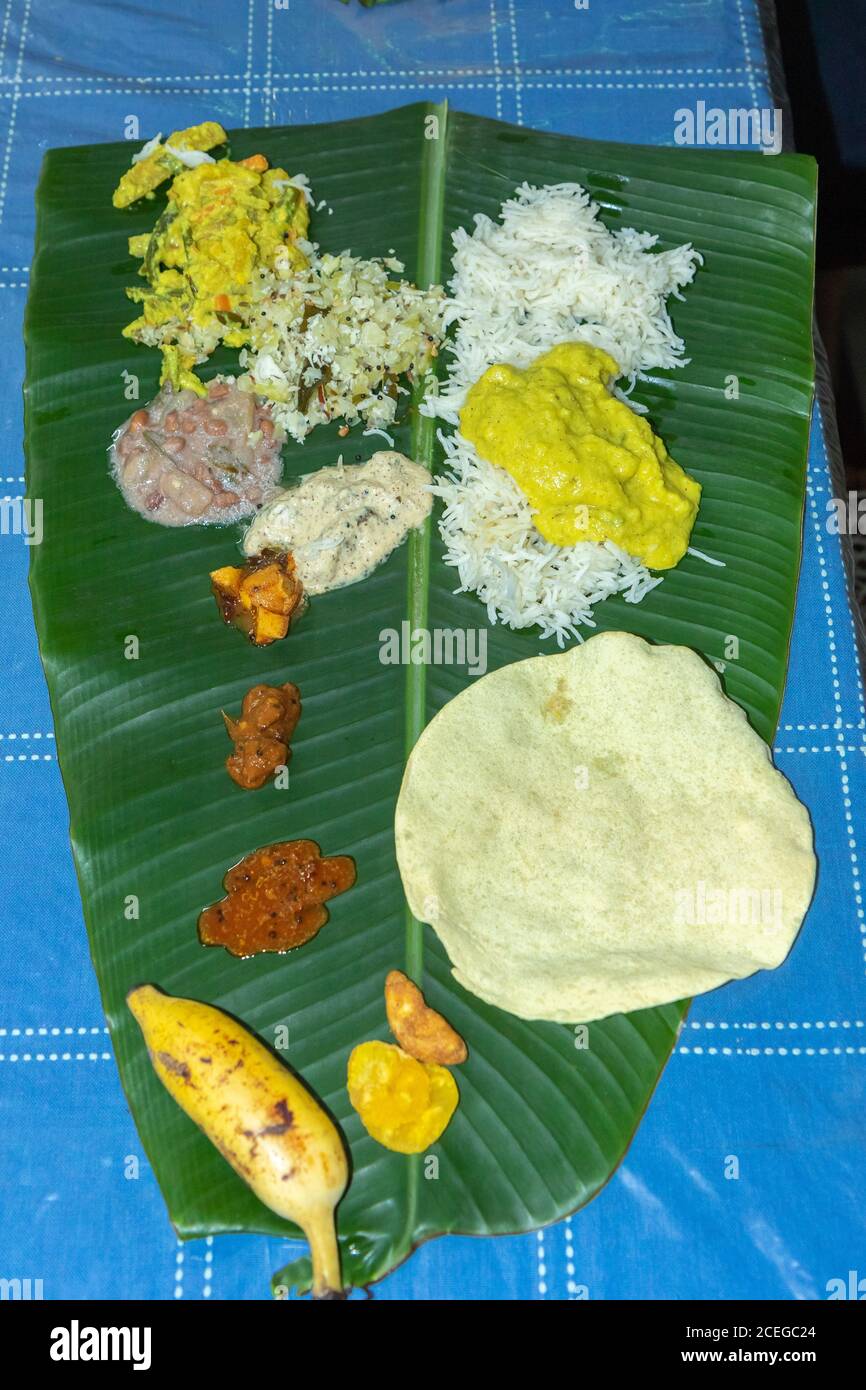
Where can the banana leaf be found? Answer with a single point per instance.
(546, 1111)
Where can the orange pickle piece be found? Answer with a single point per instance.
(263, 598)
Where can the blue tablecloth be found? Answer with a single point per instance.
(769, 1071)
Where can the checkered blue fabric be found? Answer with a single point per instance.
(772, 1070)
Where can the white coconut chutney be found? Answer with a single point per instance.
(343, 521)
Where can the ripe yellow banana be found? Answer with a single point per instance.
(259, 1115)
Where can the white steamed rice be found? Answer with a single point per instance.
(523, 579)
(547, 272)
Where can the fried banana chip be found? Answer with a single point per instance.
(420, 1030)
(405, 1105)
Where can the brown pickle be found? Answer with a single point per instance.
(275, 899)
(269, 716)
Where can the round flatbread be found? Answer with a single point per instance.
(601, 831)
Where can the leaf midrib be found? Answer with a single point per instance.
(423, 439)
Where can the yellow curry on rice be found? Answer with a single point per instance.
(590, 467)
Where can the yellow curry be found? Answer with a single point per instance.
(590, 467)
(158, 162)
(223, 222)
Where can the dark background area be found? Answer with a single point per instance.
(823, 46)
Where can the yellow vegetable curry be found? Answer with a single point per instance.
(163, 161)
(223, 222)
(591, 468)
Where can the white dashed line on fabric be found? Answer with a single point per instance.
(3, 39)
(121, 91)
(38, 734)
(828, 610)
(529, 83)
(825, 748)
(814, 728)
(778, 1024)
(489, 82)
(16, 93)
(771, 1051)
(47, 80)
(571, 1283)
(517, 80)
(207, 1287)
(267, 88)
(45, 1032)
(385, 87)
(747, 53)
(497, 70)
(542, 1264)
(248, 76)
(56, 1057)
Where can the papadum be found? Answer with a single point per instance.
(600, 831)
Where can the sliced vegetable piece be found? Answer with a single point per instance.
(263, 598)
